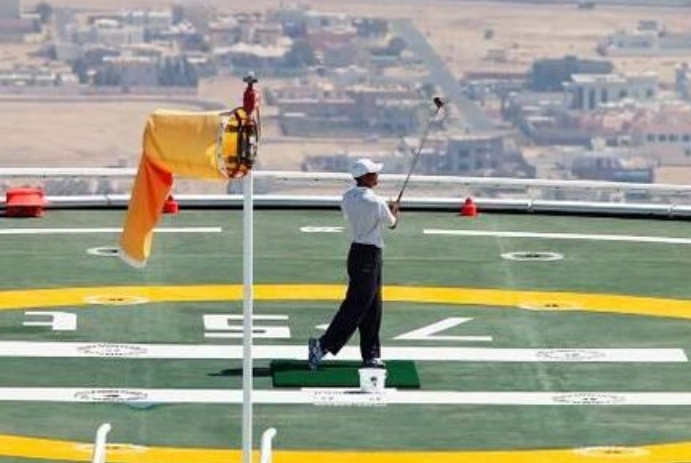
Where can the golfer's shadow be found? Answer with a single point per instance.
(257, 372)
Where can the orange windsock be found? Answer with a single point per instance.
(189, 144)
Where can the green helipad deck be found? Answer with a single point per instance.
(535, 338)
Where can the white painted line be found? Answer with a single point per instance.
(265, 352)
(79, 231)
(340, 396)
(559, 236)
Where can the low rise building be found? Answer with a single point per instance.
(14, 30)
(649, 38)
(225, 33)
(589, 92)
(135, 71)
(153, 21)
(33, 76)
(108, 32)
(612, 165)
(665, 135)
(490, 154)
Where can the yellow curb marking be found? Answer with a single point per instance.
(26, 447)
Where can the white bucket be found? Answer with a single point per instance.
(372, 379)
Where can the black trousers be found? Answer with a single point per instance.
(362, 307)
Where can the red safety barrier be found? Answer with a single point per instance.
(24, 202)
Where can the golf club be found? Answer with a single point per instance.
(439, 105)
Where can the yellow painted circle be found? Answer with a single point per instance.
(605, 303)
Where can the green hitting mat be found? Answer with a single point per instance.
(295, 373)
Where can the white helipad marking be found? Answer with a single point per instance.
(299, 352)
(559, 236)
(352, 395)
(77, 231)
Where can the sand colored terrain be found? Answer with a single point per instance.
(100, 134)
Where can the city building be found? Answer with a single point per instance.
(14, 27)
(665, 135)
(588, 92)
(135, 71)
(649, 38)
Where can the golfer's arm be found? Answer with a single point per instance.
(392, 218)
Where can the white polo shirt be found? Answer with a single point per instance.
(367, 214)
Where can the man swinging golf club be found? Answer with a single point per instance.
(367, 215)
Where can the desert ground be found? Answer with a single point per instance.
(97, 134)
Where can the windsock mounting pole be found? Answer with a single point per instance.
(251, 106)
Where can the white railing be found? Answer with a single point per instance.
(495, 182)
(266, 455)
(99, 449)
(312, 189)
(99, 452)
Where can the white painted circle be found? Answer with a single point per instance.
(104, 251)
(113, 448)
(612, 451)
(115, 300)
(550, 305)
(587, 398)
(532, 256)
(570, 355)
(112, 350)
(110, 395)
(347, 398)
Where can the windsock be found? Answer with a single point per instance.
(201, 145)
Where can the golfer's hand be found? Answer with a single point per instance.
(394, 206)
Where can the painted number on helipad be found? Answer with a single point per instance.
(430, 332)
(230, 326)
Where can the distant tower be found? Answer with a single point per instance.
(10, 9)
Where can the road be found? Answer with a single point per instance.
(470, 116)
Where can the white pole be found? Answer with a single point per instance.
(247, 309)
(99, 452)
(266, 455)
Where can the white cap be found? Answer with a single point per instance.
(365, 166)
